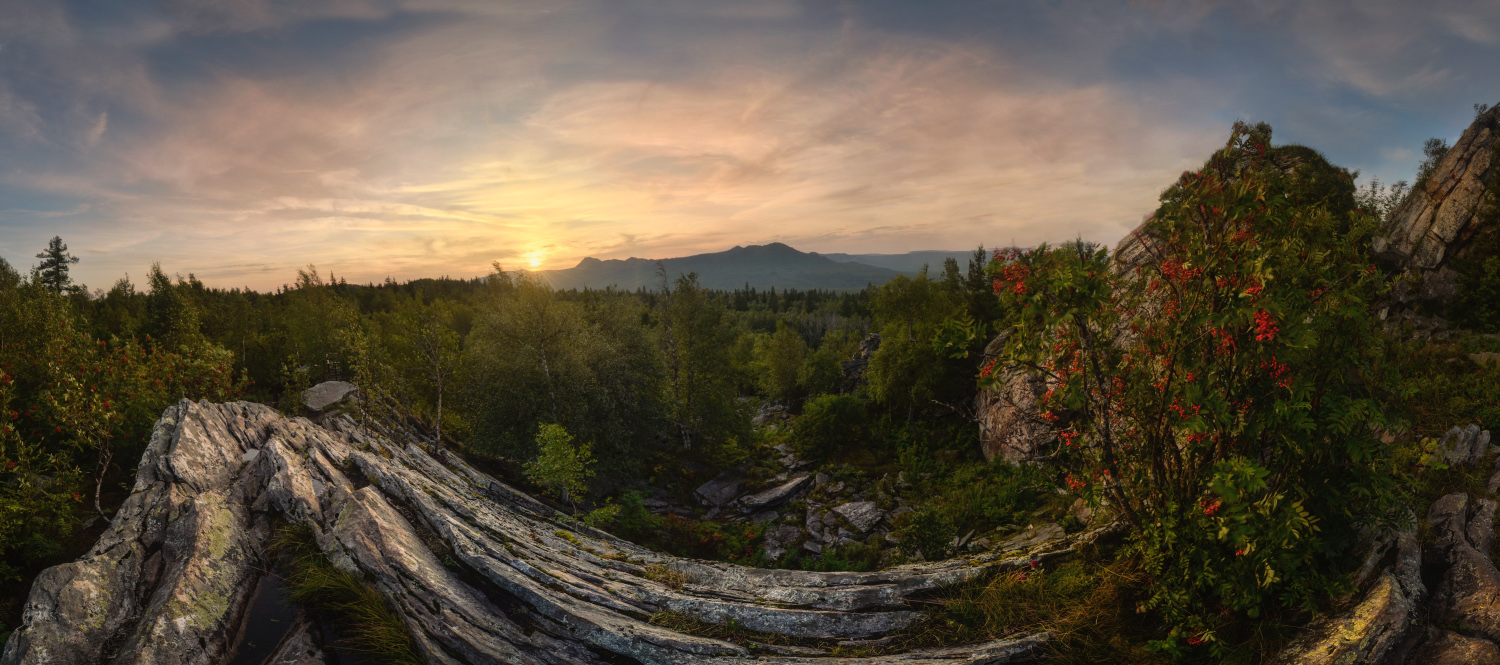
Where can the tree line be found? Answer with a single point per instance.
(486, 364)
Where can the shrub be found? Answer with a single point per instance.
(560, 465)
(928, 531)
(830, 424)
(1217, 394)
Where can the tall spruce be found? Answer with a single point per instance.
(54, 266)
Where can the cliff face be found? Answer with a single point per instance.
(480, 572)
(1437, 221)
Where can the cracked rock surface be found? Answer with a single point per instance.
(481, 572)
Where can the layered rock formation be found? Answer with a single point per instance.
(480, 572)
(1437, 221)
(1400, 620)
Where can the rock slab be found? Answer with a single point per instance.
(480, 572)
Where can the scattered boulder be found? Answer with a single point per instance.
(778, 539)
(770, 413)
(1462, 446)
(723, 488)
(1470, 589)
(1008, 425)
(776, 495)
(319, 398)
(862, 515)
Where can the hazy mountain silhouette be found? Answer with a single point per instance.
(911, 262)
(760, 266)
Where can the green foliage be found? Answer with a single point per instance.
(560, 464)
(365, 622)
(780, 360)
(695, 343)
(929, 532)
(323, 328)
(822, 372)
(588, 366)
(676, 535)
(172, 318)
(1433, 151)
(1378, 200)
(829, 425)
(983, 496)
(1217, 394)
(421, 341)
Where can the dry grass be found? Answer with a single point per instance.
(365, 622)
(667, 576)
(1088, 607)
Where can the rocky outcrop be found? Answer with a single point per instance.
(1437, 221)
(480, 572)
(1009, 426)
(854, 368)
(1399, 619)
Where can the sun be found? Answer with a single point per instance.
(534, 258)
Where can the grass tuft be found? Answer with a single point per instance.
(365, 622)
(672, 578)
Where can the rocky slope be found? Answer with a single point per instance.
(1400, 619)
(1437, 221)
(481, 572)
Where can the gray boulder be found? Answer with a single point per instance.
(1464, 445)
(326, 394)
(778, 539)
(723, 488)
(862, 515)
(776, 495)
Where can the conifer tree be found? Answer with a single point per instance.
(54, 266)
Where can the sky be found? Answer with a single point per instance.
(239, 140)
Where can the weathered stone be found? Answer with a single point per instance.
(778, 539)
(1481, 529)
(769, 413)
(862, 515)
(170, 580)
(1485, 357)
(326, 394)
(1050, 534)
(1445, 647)
(1464, 445)
(776, 495)
(723, 488)
(1009, 425)
(1374, 630)
(1470, 589)
(1436, 222)
(299, 647)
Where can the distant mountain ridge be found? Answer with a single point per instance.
(760, 266)
(911, 262)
